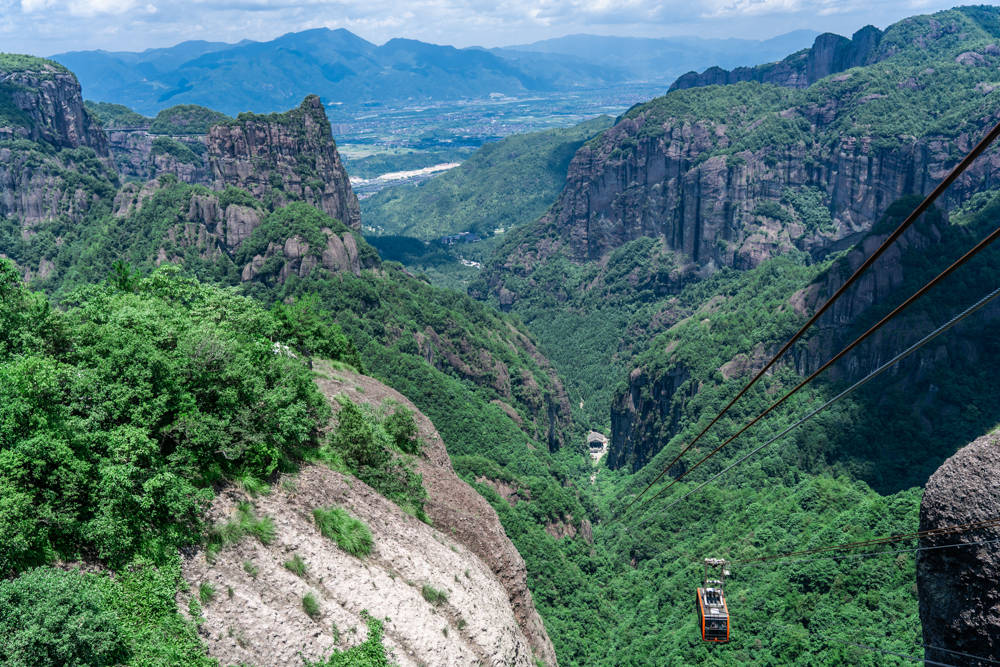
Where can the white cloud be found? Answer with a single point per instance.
(52, 26)
(82, 8)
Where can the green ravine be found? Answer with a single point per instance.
(140, 374)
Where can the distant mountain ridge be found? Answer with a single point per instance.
(341, 67)
(664, 59)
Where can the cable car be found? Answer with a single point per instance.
(713, 614)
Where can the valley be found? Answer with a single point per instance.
(382, 380)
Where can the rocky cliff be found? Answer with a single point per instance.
(829, 54)
(54, 158)
(214, 227)
(487, 618)
(141, 155)
(730, 176)
(957, 587)
(284, 157)
(41, 102)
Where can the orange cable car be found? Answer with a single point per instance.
(713, 614)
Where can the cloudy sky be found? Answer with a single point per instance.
(45, 27)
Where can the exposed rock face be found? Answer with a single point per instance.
(651, 404)
(829, 54)
(48, 96)
(456, 509)
(290, 156)
(713, 212)
(958, 590)
(134, 155)
(339, 255)
(43, 104)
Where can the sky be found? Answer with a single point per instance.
(46, 27)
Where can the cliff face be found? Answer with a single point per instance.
(141, 155)
(829, 54)
(957, 587)
(47, 98)
(731, 176)
(40, 105)
(738, 209)
(212, 228)
(289, 156)
(456, 509)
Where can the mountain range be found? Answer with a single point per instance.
(232, 433)
(343, 68)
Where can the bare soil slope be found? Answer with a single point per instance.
(256, 616)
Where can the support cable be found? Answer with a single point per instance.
(903, 226)
(857, 341)
(965, 655)
(885, 652)
(920, 534)
(871, 376)
(885, 552)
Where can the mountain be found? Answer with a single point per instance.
(829, 54)
(344, 68)
(229, 410)
(335, 64)
(663, 59)
(164, 275)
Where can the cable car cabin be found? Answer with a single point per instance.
(713, 614)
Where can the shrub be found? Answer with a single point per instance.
(53, 617)
(349, 533)
(370, 653)
(310, 606)
(296, 566)
(433, 595)
(402, 428)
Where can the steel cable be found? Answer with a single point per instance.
(881, 369)
(903, 226)
(993, 236)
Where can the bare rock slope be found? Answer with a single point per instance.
(958, 587)
(487, 619)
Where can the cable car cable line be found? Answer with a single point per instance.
(857, 341)
(898, 655)
(871, 376)
(903, 226)
(966, 655)
(885, 552)
(876, 541)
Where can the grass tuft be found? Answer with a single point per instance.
(206, 593)
(246, 523)
(296, 566)
(310, 606)
(433, 595)
(350, 534)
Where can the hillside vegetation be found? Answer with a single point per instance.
(499, 187)
(133, 386)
